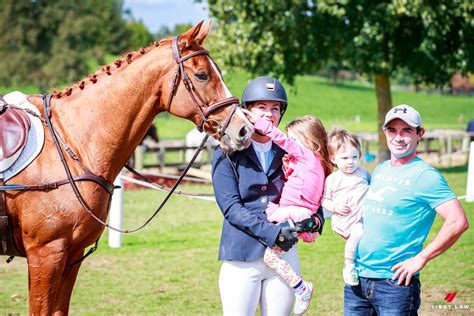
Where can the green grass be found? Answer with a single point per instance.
(171, 267)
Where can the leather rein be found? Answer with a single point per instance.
(204, 110)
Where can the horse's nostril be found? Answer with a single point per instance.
(243, 131)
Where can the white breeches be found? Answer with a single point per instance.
(244, 284)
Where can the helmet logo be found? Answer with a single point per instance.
(270, 86)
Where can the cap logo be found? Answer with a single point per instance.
(270, 86)
(404, 110)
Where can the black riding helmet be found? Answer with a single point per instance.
(265, 89)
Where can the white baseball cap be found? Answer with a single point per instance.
(405, 113)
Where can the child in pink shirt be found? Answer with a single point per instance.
(305, 166)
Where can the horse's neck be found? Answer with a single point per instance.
(105, 121)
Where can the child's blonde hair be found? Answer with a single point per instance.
(341, 137)
(312, 134)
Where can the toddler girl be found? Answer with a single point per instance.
(344, 192)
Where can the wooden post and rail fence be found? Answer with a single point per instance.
(438, 147)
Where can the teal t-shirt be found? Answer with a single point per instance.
(398, 213)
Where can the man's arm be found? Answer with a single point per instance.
(455, 223)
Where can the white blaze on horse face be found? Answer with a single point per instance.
(227, 92)
(241, 114)
(238, 111)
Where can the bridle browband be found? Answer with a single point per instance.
(204, 109)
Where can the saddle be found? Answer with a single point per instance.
(14, 126)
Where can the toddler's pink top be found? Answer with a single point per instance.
(305, 173)
(346, 189)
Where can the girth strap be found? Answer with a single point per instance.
(3, 221)
(7, 243)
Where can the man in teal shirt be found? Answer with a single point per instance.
(405, 195)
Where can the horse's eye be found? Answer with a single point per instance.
(202, 76)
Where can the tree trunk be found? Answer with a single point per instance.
(384, 104)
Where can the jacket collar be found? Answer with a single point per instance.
(277, 159)
(276, 162)
(252, 155)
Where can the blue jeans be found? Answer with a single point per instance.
(382, 297)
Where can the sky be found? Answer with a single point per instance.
(158, 13)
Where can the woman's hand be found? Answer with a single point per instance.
(286, 159)
(286, 165)
(250, 116)
(287, 238)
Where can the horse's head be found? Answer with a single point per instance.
(197, 92)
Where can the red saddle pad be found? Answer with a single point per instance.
(14, 126)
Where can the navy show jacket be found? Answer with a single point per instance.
(242, 193)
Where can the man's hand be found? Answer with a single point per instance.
(406, 269)
(342, 209)
(286, 239)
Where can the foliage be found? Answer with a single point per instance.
(286, 38)
(47, 42)
(265, 37)
(178, 29)
(139, 34)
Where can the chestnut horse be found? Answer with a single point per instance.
(103, 119)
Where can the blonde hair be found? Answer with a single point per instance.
(312, 134)
(341, 137)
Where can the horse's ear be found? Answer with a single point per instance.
(203, 33)
(190, 35)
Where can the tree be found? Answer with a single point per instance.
(430, 39)
(51, 42)
(178, 29)
(139, 34)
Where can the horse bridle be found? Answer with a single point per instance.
(205, 110)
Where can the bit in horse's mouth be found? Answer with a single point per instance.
(244, 145)
(240, 145)
(230, 145)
